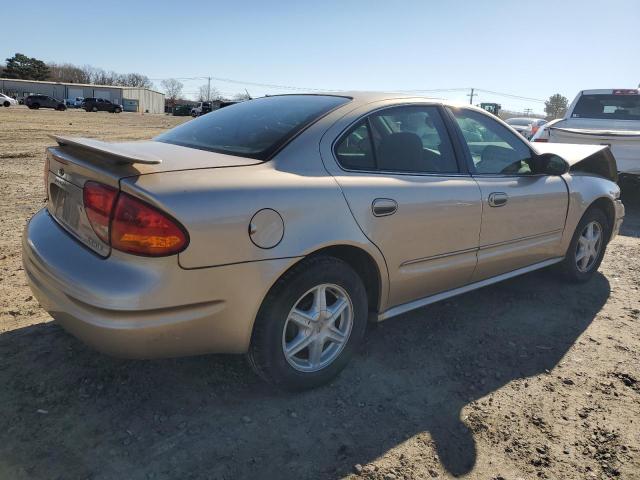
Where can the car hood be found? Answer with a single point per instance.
(589, 159)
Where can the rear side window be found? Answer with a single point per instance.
(411, 139)
(255, 128)
(614, 107)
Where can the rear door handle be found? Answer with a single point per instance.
(498, 199)
(381, 207)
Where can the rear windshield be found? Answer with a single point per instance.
(614, 107)
(255, 128)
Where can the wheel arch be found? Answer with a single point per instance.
(363, 264)
(605, 204)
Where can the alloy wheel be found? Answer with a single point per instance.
(317, 328)
(589, 245)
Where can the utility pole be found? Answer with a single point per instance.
(208, 89)
(470, 95)
(527, 111)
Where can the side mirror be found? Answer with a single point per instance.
(551, 164)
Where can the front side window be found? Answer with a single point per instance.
(410, 139)
(255, 128)
(492, 147)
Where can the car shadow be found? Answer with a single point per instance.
(70, 412)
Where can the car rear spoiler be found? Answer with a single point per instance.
(118, 152)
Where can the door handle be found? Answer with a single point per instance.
(498, 199)
(381, 207)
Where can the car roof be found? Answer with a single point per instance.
(359, 98)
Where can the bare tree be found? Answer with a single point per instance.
(67, 72)
(204, 93)
(242, 96)
(173, 89)
(135, 80)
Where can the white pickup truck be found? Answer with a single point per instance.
(602, 117)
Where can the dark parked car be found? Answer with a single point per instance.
(44, 101)
(100, 105)
(182, 110)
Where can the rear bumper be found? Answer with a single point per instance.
(137, 307)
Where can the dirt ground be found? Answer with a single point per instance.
(532, 378)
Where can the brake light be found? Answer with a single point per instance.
(625, 91)
(544, 140)
(131, 225)
(98, 202)
(141, 229)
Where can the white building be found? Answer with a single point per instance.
(133, 99)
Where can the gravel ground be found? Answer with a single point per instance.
(532, 378)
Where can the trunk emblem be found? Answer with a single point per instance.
(61, 172)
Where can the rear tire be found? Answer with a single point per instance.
(292, 315)
(117, 110)
(94, 109)
(35, 106)
(587, 247)
(6, 103)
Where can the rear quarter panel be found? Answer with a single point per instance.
(216, 206)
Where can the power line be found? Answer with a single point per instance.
(474, 91)
(509, 95)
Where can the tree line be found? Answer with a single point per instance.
(22, 67)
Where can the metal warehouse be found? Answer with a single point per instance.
(133, 99)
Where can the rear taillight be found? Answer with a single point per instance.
(141, 229)
(98, 202)
(131, 225)
(543, 140)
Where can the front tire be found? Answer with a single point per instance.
(309, 325)
(587, 247)
(6, 103)
(117, 110)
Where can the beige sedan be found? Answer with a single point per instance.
(279, 226)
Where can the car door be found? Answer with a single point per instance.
(523, 210)
(400, 176)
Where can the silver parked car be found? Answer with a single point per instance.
(278, 226)
(525, 126)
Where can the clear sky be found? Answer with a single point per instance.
(527, 48)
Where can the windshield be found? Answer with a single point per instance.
(519, 121)
(255, 128)
(614, 107)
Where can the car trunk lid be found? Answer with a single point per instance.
(78, 160)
